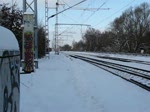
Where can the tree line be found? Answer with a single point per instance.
(129, 33)
(12, 18)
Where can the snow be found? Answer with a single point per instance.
(8, 40)
(122, 74)
(64, 84)
(116, 55)
(28, 13)
(133, 57)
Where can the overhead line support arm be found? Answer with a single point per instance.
(66, 9)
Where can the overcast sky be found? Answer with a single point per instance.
(99, 19)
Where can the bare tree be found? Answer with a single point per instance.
(131, 27)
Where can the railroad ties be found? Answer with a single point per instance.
(138, 76)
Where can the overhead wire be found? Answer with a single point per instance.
(81, 14)
(67, 18)
(67, 27)
(96, 11)
(113, 14)
(90, 4)
(65, 30)
(65, 14)
(68, 8)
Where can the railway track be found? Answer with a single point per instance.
(121, 59)
(134, 75)
(125, 60)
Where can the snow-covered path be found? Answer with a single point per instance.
(64, 84)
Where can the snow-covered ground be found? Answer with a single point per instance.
(132, 57)
(64, 84)
(116, 55)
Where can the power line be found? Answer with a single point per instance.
(69, 17)
(96, 11)
(114, 13)
(87, 7)
(74, 24)
(56, 25)
(68, 28)
(84, 9)
(90, 9)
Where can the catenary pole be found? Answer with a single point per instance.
(28, 6)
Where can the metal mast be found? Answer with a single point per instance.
(46, 28)
(32, 6)
(56, 29)
(0, 12)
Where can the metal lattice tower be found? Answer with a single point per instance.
(31, 5)
(46, 27)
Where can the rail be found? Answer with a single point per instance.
(138, 76)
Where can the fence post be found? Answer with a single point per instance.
(9, 72)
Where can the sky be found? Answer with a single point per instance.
(99, 19)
